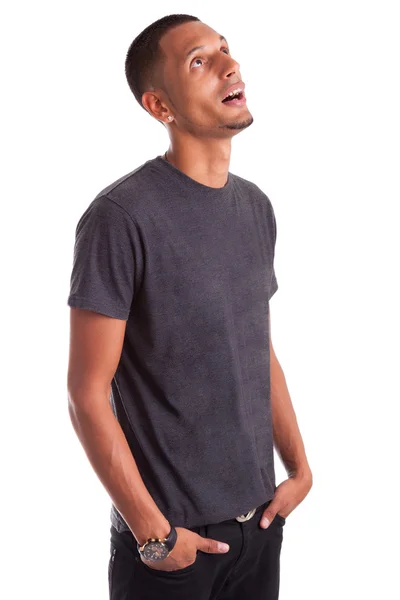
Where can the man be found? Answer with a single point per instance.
(170, 288)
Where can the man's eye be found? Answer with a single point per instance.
(225, 50)
(195, 60)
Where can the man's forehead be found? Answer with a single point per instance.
(180, 40)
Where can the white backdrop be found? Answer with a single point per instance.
(322, 82)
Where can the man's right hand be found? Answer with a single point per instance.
(184, 552)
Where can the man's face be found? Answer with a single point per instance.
(196, 80)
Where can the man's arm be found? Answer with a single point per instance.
(287, 438)
(95, 349)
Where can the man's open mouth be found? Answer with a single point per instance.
(235, 95)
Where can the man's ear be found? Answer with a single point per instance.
(154, 106)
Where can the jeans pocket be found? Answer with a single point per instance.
(280, 519)
(164, 573)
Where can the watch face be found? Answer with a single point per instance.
(155, 551)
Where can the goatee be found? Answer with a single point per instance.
(240, 124)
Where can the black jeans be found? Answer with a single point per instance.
(250, 569)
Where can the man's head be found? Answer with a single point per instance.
(180, 67)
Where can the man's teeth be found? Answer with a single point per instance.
(233, 94)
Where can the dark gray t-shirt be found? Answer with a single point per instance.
(190, 267)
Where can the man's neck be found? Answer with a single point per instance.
(204, 161)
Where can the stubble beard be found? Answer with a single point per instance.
(238, 125)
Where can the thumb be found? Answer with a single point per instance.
(269, 514)
(212, 546)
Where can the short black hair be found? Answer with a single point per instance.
(144, 53)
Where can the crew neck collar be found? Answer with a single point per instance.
(167, 167)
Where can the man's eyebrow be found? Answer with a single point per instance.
(221, 37)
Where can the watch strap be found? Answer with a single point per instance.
(169, 541)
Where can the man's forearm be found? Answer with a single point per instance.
(110, 456)
(287, 437)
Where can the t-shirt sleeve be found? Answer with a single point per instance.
(106, 260)
(274, 283)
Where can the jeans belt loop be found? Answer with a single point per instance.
(242, 518)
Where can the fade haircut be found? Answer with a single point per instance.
(144, 55)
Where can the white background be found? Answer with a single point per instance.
(322, 82)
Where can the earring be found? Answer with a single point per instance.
(169, 118)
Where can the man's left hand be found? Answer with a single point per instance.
(287, 496)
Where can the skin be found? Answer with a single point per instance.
(288, 444)
(191, 91)
(200, 145)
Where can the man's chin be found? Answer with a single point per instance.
(239, 124)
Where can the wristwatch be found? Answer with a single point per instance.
(158, 548)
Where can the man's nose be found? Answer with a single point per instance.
(232, 68)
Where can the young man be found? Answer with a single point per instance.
(170, 288)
